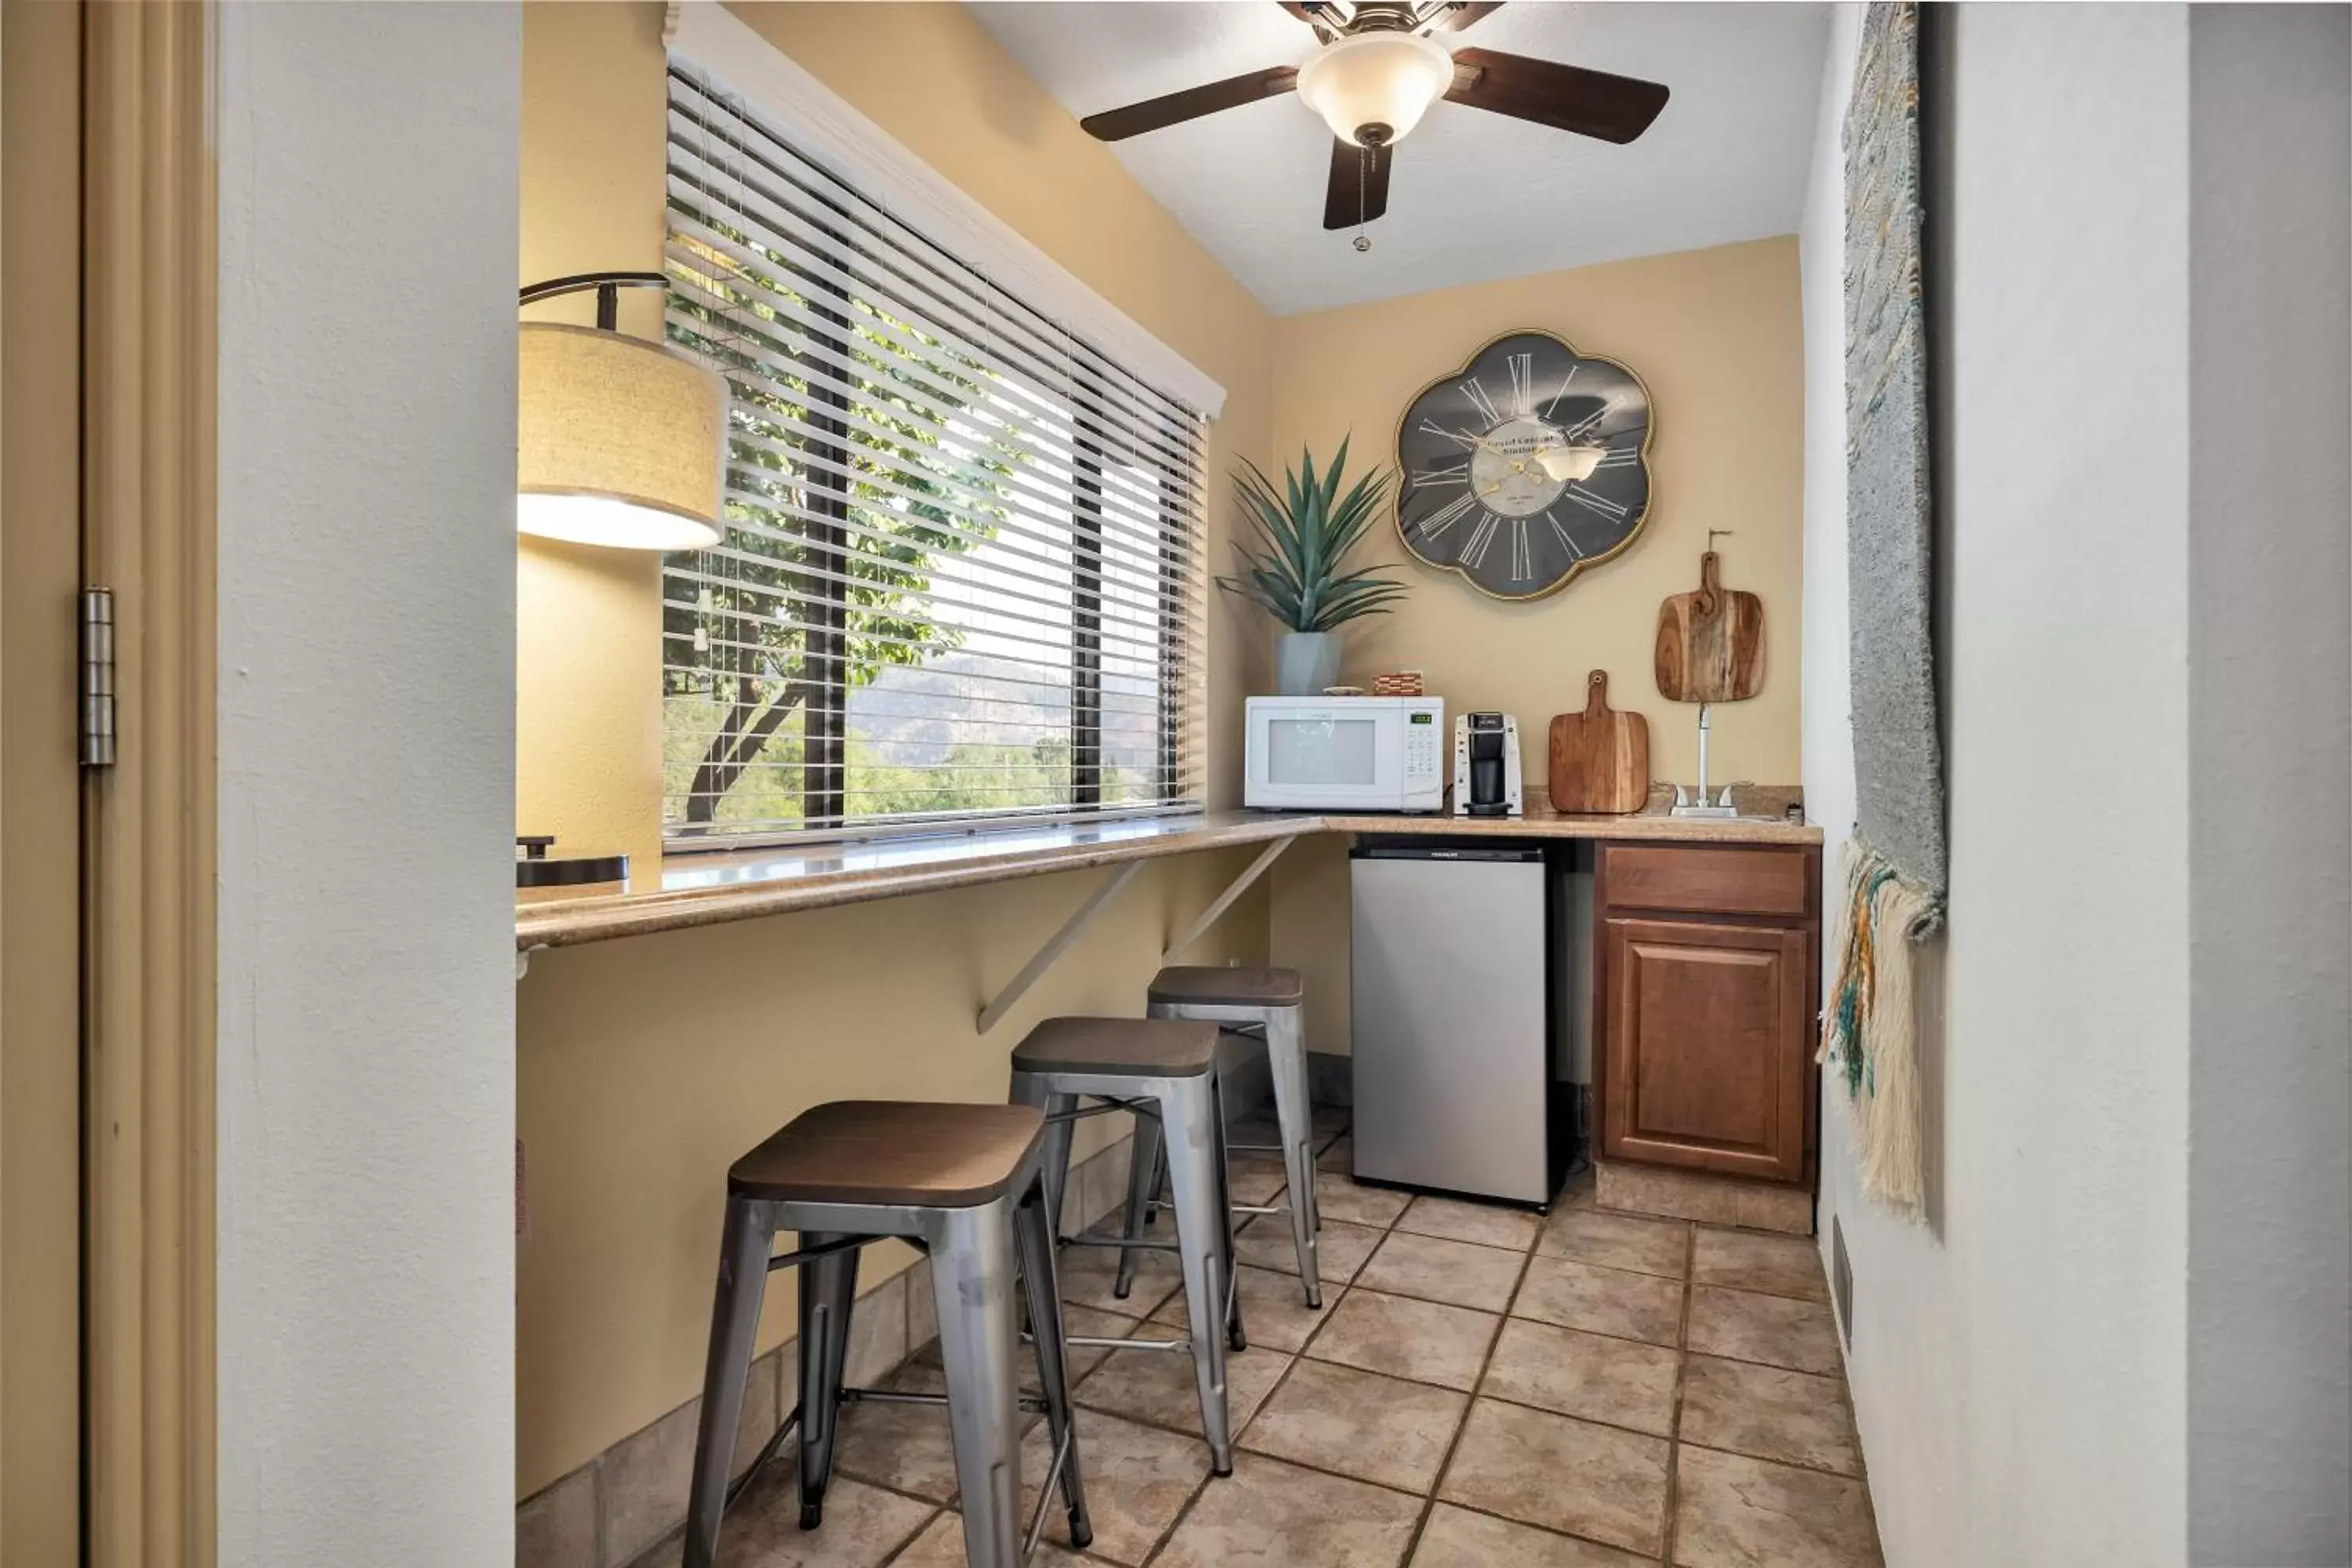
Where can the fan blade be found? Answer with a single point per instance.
(1153, 114)
(1567, 98)
(1358, 191)
(1462, 15)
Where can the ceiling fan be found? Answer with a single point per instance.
(1377, 71)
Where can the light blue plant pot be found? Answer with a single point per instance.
(1305, 662)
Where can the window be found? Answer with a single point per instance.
(961, 576)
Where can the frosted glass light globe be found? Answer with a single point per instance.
(1377, 82)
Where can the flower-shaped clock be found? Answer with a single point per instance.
(1526, 465)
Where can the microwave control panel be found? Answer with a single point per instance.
(1424, 767)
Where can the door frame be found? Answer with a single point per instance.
(129, 382)
(150, 821)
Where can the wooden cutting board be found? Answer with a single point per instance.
(1600, 758)
(1710, 643)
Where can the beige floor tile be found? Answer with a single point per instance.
(1268, 1514)
(1341, 1248)
(1773, 1329)
(1602, 1300)
(1254, 1178)
(1138, 1480)
(1731, 1511)
(1088, 1274)
(941, 1546)
(1577, 1192)
(1590, 1376)
(1339, 1155)
(1359, 1424)
(1159, 1386)
(1456, 1538)
(1346, 1198)
(863, 1525)
(1423, 1340)
(1490, 1224)
(1775, 1265)
(1615, 1241)
(1274, 1309)
(1546, 1469)
(1458, 1272)
(1768, 1413)
(903, 1447)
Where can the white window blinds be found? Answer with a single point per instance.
(962, 571)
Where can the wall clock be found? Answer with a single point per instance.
(1528, 465)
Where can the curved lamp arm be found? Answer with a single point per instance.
(608, 287)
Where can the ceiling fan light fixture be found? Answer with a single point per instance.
(1374, 88)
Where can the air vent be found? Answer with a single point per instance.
(1841, 1280)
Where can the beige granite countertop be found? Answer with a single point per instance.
(713, 889)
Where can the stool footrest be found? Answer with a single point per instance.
(1030, 1402)
(1091, 1342)
(1120, 1242)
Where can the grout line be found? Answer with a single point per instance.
(1682, 1383)
(1470, 1404)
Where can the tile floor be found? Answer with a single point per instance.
(1483, 1388)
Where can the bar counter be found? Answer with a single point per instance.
(699, 889)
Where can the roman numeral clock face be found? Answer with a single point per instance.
(1525, 467)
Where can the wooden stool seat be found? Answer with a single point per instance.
(891, 1152)
(1143, 1047)
(1203, 987)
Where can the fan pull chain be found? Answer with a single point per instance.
(1363, 241)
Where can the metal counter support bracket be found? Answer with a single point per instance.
(1002, 1003)
(1225, 900)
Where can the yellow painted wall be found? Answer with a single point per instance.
(588, 637)
(646, 1066)
(1716, 335)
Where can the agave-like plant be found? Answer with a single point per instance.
(1304, 533)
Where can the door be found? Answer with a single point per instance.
(1706, 1046)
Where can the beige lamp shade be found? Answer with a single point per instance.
(620, 441)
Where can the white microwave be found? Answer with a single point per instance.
(1345, 754)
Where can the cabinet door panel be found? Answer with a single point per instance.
(1709, 1047)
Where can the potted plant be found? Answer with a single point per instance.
(1295, 568)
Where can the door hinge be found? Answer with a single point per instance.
(98, 677)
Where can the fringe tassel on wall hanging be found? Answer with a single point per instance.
(1870, 1036)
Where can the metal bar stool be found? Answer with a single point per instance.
(1164, 1072)
(968, 1184)
(1269, 1000)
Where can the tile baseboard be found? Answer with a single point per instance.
(1696, 1196)
(623, 1506)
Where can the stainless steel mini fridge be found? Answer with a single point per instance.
(1455, 1014)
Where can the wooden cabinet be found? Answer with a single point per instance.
(1707, 970)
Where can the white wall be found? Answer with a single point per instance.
(2269, 840)
(368, 166)
(2018, 1367)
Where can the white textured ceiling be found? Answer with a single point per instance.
(1475, 196)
